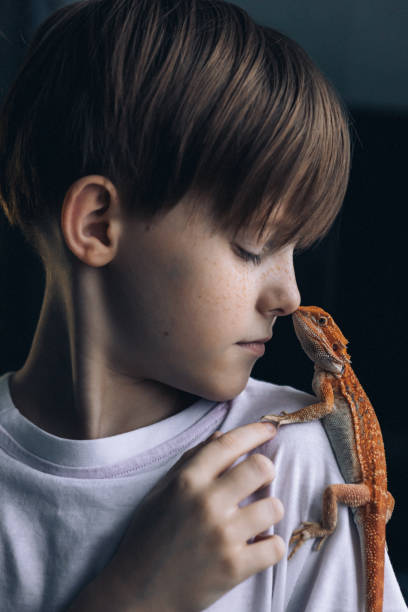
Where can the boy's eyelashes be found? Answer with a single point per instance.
(256, 258)
(247, 256)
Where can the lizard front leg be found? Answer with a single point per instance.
(352, 495)
(308, 413)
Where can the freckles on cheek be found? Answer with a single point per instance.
(275, 271)
(221, 299)
(222, 284)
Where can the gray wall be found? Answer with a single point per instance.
(361, 45)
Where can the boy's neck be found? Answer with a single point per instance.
(87, 401)
(46, 407)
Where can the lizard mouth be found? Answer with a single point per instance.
(315, 344)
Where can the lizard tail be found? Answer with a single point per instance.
(374, 536)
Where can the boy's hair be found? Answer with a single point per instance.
(167, 98)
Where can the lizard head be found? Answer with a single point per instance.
(321, 339)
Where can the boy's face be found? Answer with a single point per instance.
(181, 298)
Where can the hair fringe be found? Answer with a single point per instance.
(172, 99)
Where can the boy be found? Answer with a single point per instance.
(170, 157)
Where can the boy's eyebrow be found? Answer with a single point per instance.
(270, 244)
(269, 233)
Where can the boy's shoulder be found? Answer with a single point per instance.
(261, 397)
(305, 442)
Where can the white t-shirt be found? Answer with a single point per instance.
(65, 505)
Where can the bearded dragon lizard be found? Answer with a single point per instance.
(354, 432)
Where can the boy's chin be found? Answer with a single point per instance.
(222, 389)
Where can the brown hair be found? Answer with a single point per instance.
(168, 97)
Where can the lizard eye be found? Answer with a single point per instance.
(335, 347)
(322, 320)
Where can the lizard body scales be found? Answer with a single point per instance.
(355, 435)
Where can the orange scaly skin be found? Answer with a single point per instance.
(354, 432)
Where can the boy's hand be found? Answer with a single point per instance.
(187, 543)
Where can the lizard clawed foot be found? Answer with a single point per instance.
(276, 419)
(308, 530)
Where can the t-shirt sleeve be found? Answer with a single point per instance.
(331, 579)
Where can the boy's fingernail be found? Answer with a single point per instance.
(270, 426)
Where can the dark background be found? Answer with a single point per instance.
(358, 272)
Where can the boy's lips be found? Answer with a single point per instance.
(263, 340)
(256, 347)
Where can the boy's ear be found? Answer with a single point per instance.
(90, 220)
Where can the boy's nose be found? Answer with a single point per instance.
(281, 294)
(287, 298)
